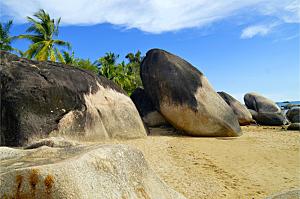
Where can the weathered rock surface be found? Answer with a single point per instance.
(149, 114)
(51, 142)
(293, 115)
(106, 172)
(241, 112)
(270, 119)
(260, 103)
(183, 95)
(41, 99)
(264, 111)
(293, 194)
(253, 113)
(294, 126)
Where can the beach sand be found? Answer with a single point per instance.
(262, 162)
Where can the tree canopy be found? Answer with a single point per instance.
(43, 30)
(44, 46)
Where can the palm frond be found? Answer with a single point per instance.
(43, 54)
(32, 38)
(59, 56)
(52, 55)
(62, 43)
(33, 50)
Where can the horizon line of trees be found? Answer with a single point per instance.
(44, 46)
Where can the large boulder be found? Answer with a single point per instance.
(149, 114)
(293, 115)
(264, 111)
(41, 99)
(105, 171)
(241, 112)
(183, 95)
(260, 103)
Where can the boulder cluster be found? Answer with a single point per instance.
(176, 93)
(49, 109)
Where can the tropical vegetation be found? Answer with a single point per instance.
(5, 38)
(45, 46)
(43, 30)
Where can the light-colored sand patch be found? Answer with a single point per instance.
(260, 163)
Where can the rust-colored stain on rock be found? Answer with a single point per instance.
(49, 180)
(19, 181)
(33, 181)
(141, 191)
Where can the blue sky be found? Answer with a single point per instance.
(241, 46)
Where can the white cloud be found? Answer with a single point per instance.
(254, 30)
(154, 16)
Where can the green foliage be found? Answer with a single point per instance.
(127, 76)
(85, 64)
(43, 30)
(78, 62)
(5, 38)
(134, 66)
(69, 58)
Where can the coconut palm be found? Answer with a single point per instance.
(5, 38)
(44, 46)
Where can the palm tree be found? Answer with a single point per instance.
(69, 58)
(107, 65)
(134, 58)
(5, 38)
(44, 46)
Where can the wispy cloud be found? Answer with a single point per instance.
(254, 30)
(154, 16)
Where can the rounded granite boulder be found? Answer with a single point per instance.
(49, 99)
(260, 103)
(183, 95)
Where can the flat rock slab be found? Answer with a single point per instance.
(294, 194)
(105, 171)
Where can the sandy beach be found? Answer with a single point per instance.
(262, 162)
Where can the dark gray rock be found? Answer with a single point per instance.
(294, 126)
(293, 115)
(270, 119)
(183, 95)
(241, 112)
(146, 109)
(260, 103)
(264, 111)
(42, 98)
(253, 113)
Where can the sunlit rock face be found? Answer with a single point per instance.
(260, 103)
(241, 111)
(42, 99)
(183, 95)
(103, 171)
